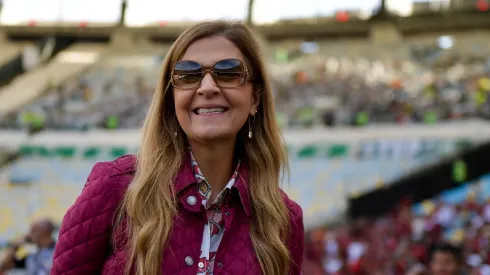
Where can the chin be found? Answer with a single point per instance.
(214, 135)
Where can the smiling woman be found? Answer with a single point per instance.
(202, 196)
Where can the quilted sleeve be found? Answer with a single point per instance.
(84, 238)
(296, 238)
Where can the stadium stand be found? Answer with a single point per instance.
(334, 91)
(400, 242)
(67, 64)
(326, 167)
(80, 103)
(312, 183)
(9, 50)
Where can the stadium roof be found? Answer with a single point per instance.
(144, 12)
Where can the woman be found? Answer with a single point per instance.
(202, 196)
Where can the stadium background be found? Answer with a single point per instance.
(383, 104)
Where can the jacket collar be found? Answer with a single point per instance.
(185, 178)
(241, 185)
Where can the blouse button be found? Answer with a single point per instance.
(220, 264)
(200, 265)
(227, 213)
(189, 261)
(191, 200)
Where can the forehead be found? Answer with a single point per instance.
(210, 50)
(444, 256)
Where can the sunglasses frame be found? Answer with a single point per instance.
(210, 70)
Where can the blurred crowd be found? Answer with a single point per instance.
(99, 98)
(430, 238)
(444, 239)
(33, 252)
(357, 92)
(308, 91)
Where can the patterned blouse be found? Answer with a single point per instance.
(214, 229)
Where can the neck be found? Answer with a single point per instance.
(216, 163)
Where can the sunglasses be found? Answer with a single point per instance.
(227, 73)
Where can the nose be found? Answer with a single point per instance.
(208, 87)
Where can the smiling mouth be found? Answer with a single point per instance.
(203, 111)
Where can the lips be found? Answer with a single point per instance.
(210, 110)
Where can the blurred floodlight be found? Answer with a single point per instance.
(445, 42)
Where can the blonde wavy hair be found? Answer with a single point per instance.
(150, 203)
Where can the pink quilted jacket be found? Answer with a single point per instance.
(84, 246)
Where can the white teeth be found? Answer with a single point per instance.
(210, 110)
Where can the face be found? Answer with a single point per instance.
(444, 263)
(35, 233)
(210, 112)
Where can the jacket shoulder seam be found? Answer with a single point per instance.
(116, 168)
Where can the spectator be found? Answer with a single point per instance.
(38, 263)
(445, 259)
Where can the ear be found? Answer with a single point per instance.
(255, 102)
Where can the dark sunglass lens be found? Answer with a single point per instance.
(230, 73)
(187, 74)
(187, 66)
(229, 65)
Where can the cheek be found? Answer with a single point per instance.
(179, 100)
(242, 100)
(241, 105)
(182, 103)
